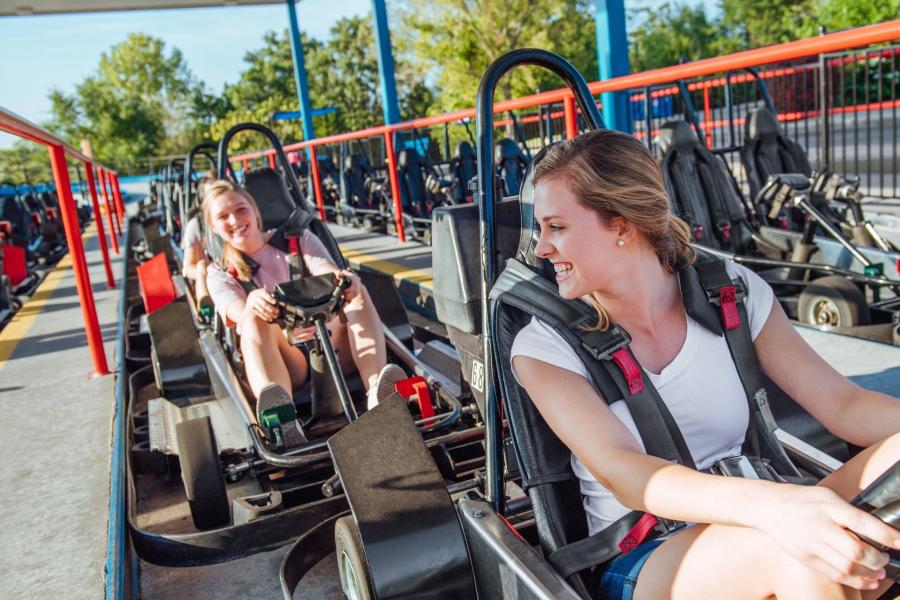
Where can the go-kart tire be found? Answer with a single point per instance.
(834, 301)
(201, 473)
(351, 559)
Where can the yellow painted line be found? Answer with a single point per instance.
(398, 272)
(18, 327)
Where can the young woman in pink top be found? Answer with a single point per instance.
(274, 366)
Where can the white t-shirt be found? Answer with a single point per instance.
(700, 387)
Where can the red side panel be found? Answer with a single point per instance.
(157, 288)
(14, 265)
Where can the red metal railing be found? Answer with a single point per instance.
(854, 38)
(58, 149)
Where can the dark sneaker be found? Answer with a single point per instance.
(385, 384)
(275, 413)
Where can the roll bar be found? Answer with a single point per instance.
(207, 149)
(484, 126)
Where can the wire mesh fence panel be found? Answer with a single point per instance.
(862, 117)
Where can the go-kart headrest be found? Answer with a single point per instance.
(529, 232)
(408, 159)
(464, 150)
(506, 149)
(677, 135)
(271, 193)
(356, 162)
(762, 124)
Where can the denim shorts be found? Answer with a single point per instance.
(620, 577)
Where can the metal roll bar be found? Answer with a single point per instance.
(484, 109)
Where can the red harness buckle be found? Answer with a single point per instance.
(728, 305)
(638, 533)
(629, 367)
(294, 245)
(698, 232)
(726, 232)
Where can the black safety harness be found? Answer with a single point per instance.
(713, 300)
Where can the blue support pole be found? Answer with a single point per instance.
(385, 64)
(612, 59)
(309, 131)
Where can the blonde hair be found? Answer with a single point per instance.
(614, 175)
(231, 256)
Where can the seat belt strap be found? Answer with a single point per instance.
(621, 537)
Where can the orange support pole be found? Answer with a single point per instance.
(110, 214)
(246, 165)
(570, 116)
(707, 117)
(117, 195)
(395, 184)
(89, 172)
(272, 160)
(79, 265)
(317, 185)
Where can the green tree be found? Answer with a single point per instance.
(25, 162)
(455, 41)
(139, 97)
(843, 14)
(671, 31)
(342, 72)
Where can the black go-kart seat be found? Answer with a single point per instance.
(357, 173)
(14, 211)
(272, 196)
(411, 172)
(463, 167)
(701, 190)
(767, 151)
(511, 164)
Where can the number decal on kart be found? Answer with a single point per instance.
(478, 375)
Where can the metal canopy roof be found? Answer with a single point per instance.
(9, 8)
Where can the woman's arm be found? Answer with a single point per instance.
(587, 426)
(193, 254)
(859, 416)
(809, 522)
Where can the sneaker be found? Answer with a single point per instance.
(275, 413)
(384, 385)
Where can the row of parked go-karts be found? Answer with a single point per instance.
(31, 240)
(358, 194)
(446, 489)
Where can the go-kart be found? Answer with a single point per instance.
(409, 534)
(826, 281)
(211, 480)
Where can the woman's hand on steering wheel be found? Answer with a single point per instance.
(820, 529)
(261, 304)
(355, 287)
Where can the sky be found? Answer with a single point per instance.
(58, 51)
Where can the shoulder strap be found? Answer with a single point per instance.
(728, 295)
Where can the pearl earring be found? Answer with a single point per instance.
(620, 242)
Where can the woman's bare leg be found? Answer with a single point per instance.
(269, 358)
(365, 337)
(743, 563)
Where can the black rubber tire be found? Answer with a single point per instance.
(842, 294)
(348, 550)
(201, 473)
